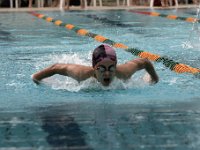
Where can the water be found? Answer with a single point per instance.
(194, 37)
(61, 113)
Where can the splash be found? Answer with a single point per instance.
(58, 82)
(91, 84)
(194, 38)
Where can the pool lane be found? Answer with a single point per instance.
(89, 126)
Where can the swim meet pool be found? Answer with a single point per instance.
(64, 114)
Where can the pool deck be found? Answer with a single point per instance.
(25, 9)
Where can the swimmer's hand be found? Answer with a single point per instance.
(149, 79)
(34, 80)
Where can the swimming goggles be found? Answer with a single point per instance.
(103, 69)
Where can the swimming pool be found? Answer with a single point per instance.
(64, 114)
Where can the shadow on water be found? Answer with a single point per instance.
(122, 126)
(109, 22)
(5, 36)
(4, 33)
(136, 28)
(88, 126)
(63, 131)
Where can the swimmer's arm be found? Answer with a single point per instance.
(77, 72)
(125, 71)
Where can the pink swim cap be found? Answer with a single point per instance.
(101, 52)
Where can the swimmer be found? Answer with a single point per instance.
(104, 68)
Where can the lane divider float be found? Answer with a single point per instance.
(172, 17)
(169, 63)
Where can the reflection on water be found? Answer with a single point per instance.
(103, 126)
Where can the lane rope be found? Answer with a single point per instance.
(172, 17)
(169, 63)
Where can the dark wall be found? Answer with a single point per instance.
(74, 2)
(6, 3)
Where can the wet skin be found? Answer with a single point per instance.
(105, 71)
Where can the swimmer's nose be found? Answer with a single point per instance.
(106, 73)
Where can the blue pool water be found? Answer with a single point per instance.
(63, 114)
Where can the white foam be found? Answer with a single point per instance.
(65, 83)
(59, 82)
(187, 45)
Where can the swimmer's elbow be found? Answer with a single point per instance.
(146, 63)
(141, 63)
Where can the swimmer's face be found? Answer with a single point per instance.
(105, 71)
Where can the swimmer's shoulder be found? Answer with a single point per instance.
(125, 71)
(85, 71)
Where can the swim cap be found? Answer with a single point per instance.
(101, 52)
